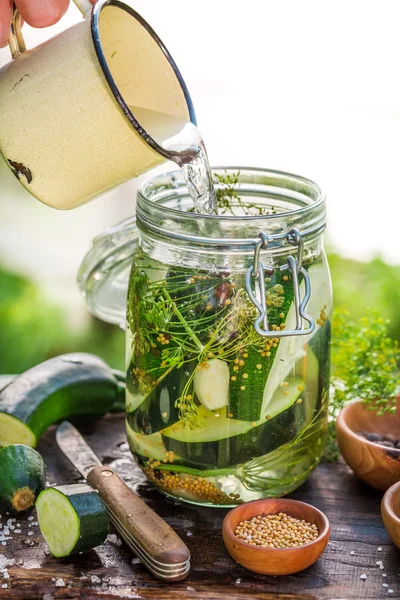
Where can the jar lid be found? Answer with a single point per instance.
(104, 273)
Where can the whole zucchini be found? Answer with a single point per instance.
(22, 477)
(67, 385)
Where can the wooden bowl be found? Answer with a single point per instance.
(376, 465)
(390, 511)
(275, 561)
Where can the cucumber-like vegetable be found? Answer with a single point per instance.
(211, 384)
(266, 373)
(142, 377)
(291, 349)
(224, 441)
(252, 369)
(71, 384)
(22, 477)
(5, 380)
(146, 446)
(159, 410)
(72, 518)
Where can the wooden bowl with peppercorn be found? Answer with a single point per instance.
(277, 536)
(370, 444)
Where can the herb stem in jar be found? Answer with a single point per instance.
(196, 472)
(189, 331)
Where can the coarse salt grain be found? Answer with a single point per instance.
(385, 585)
(352, 552)
(4, 586)
(380, 549)
(30, 532)
(390, 591)
(30, 518)
(383, 574)
(238, 581)
(60, 582)
(363, 576)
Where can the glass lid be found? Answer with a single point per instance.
(104, 273)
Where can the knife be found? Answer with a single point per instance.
(149, 537)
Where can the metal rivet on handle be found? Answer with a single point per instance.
(107, 473)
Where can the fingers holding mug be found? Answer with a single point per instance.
(41, 13)
(6, 10)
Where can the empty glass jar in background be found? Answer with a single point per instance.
(228, 334)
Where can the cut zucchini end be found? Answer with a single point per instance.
(14, 431)
(58, 522)
(23, 499)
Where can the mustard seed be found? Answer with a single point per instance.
(276, 531)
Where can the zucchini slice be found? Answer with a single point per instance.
(72, 518)
(22, 477)
(146, 446)
(71, 384)
(212, 384)
(224, 441)
(249, 399)
(159, 410)
(251, 371)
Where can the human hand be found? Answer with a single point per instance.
(37, 13)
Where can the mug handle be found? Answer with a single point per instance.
(16, 39)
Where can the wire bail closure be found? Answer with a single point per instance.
(256, 275)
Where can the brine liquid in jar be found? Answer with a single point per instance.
(216, 413)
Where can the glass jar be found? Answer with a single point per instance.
(228, 336)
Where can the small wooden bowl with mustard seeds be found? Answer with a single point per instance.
(276, 536)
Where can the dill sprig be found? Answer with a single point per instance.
(229, 199)
(365, 365)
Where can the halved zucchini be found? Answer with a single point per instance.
(71, 384)
(72, 518)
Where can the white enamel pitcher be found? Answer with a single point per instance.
(90, 108)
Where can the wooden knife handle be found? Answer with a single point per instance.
(133, 517)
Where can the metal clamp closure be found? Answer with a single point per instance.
(255, 276)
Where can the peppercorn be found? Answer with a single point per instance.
(276, 531)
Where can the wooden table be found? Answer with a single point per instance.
(110, 571)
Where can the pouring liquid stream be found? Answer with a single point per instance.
(184, 138)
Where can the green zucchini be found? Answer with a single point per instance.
(252, 369)
(224, 441)
(159, 410)
(71, 384)
(72, 518)
(22, 477)
(146, 446)
(5, 380)
(266, 373)
(211, 385)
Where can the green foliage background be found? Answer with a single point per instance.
(32, 329)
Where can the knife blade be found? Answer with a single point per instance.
(148, 535)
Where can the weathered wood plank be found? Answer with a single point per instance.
(111, 571)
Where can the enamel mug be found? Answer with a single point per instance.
(90, 108)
